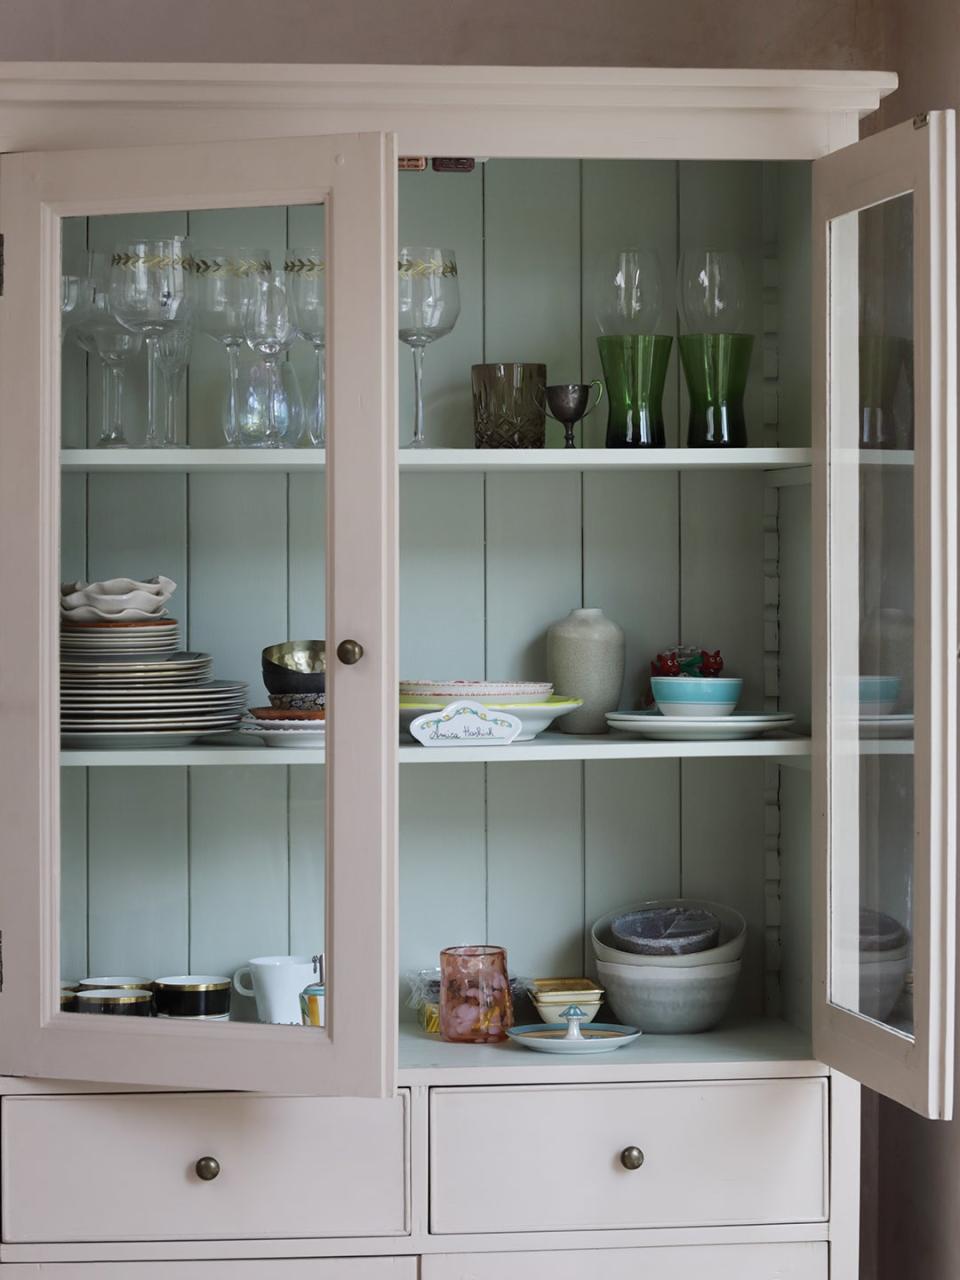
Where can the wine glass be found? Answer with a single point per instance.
(92, 325)
(173, 356)
(148, 293)
(305, 271)
(269, 329)
(222, 283)
(629, 296)
(115, 346)
(429, 304)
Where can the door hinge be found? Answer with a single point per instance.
(921, 121)
(1, 264)
(1, 961)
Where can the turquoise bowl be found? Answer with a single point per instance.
(879, 695)
(696, 695)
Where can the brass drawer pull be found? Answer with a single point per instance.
(207, 1167)
(631, 1157)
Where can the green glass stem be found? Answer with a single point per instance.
(635, 370)
(716, 367)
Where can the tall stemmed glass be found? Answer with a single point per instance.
(270, 330)
(223, 282)
(93, 326)
(148, 293)
(305, 271)
(116, 346)
(429, 304)
(173, 356)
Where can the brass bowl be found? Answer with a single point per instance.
(296, 666)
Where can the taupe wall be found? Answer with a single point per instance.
(749, 33)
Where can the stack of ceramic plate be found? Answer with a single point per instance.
(286, 733)
(116, 600)
(98, 638)
(139, 699)
(484, 691)
(651, 724)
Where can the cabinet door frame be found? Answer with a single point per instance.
(355, 176)
(917, 156)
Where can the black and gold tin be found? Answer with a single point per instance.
(68, 998)
(202, 996)
(125, 1002)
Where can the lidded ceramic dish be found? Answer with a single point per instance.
(477, 690)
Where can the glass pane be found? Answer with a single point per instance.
(872, 591)
(182, 331)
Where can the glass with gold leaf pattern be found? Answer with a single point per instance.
(428, 306)
(222, 281)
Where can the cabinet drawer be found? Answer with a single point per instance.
(549, 1159)
(108, 1167)
(719, 1262)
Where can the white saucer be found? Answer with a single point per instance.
(598, 1037)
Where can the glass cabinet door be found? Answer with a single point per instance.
(197, 364)
(885, 637)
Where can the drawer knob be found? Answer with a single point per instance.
(207, 1167)
(349, 652)
(631, 1157)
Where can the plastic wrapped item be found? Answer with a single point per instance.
(424, 997)
(667, 931)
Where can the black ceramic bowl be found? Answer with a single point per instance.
(123, 1001)
(296, 666)
(193, 996)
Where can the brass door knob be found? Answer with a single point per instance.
(207, 1167)
(349, 652)
(631, 1157)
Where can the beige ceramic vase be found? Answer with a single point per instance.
(585, 655)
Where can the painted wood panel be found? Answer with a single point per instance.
(307, 801)
(446, 210)
(442, 585)
(139, 903)
(535, 866)
(533, 568)
(532, 267)
(239, 867)
(443, 861)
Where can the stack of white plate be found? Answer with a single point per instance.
(140, 699)
(286, 733)
(651, 724)
(96, 638)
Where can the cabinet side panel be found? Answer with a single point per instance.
(793, 282)
(795, 903)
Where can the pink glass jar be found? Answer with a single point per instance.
(475, 1003)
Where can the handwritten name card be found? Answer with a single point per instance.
(465, 724)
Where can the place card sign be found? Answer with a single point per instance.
(465, 724)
